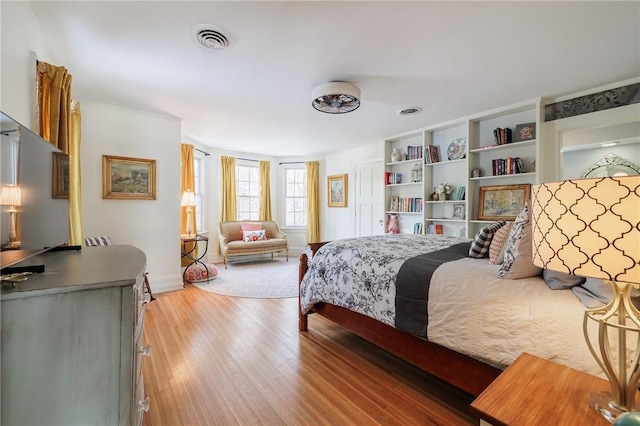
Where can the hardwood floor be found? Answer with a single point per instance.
(219, 360)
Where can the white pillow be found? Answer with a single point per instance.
(518, 257)
(251, 236)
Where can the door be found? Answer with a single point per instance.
(369, 199)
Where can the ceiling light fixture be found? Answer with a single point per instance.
(211, 36)
(336, 97)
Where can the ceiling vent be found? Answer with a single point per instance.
(211, 36)
(409, 111)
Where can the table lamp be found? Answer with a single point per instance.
(591, 228)
(11, 196)
(188, 201)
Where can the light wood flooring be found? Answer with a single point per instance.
(219, 360)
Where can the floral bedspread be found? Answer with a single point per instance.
(360, 273)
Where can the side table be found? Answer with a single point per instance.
(534, 391)
(189, 250)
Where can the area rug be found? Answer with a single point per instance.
(266, 279)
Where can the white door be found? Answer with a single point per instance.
(369, 199)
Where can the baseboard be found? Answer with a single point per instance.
(165, 283)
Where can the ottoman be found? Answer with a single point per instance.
(198, 272)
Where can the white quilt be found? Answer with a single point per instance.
(473, 312)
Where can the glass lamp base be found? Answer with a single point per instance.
(603, 403)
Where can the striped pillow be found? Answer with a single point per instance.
(498, 244)
(482, 241)
(97, 241)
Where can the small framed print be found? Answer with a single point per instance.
(128, 178)
(458, 211)
(394, 204)
(525, 132)
(337, 190)
(502, 202)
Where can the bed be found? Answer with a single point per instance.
(476, 325)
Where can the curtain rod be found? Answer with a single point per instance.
(199, 150)
(248, 159)
(291, 162)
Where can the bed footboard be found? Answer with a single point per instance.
(302, 269)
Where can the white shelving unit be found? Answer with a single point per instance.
(481, 149)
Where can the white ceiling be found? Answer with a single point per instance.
(450, 59)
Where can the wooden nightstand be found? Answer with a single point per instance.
(533, 391)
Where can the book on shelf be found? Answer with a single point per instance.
(417, 228)
(435, 229)
(406, 205)
(414, 152)
(392, 178)
(432, 154)
(502, 135)
(507, 166)
(460, 194)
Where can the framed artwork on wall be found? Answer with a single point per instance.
(126, 178)
(502, 202)
(337, 190)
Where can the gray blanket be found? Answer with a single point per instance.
(412, 287)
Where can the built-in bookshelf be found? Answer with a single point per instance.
(497, 147)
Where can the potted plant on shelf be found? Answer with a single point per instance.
(442, 191)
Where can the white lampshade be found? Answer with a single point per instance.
(11, 196)
(188, 199)
(588, 227)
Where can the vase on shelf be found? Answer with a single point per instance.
(395, 156)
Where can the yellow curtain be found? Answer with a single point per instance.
(75, 187)
(265, 190)
(313, 201)
(228, 205)
(54, 104)
(59, 122)
(187, 183)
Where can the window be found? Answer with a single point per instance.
(295, 197)
(248, 190)
(199, 192)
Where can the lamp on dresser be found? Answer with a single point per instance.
(591, 228)
(11, 196)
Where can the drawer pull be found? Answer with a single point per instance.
(143, 405)
(145, 350)
(146, 298)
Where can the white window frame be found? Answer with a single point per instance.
(285, 196)
(199, 191)
(253, 165)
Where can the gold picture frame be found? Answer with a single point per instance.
(503, 202)
(60, 175)
(126, 178)
(337, 190)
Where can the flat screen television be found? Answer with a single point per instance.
(41, 220)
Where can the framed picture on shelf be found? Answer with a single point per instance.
(127, 178)
(502, 202)
(394, 204)
(337, 190)
(458, 211)
(525, 132)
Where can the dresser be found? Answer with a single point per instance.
(72, 341)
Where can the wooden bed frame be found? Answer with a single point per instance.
(461, 371)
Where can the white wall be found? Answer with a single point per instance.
(151, 225)
(21, 39)
(339, 222)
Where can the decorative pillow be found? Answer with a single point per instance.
(481, 242)
(498, 245)
(518, 257)
(97, 241)
(249, 236)
(250, 226)
(197, 273)
(561, 280)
